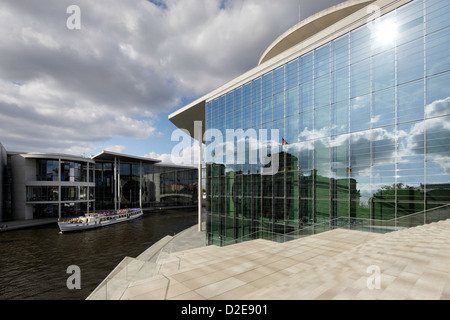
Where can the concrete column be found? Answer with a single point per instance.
(118, 186)
(93, 176)
(157, 182)
(3, 161)
(198, 135)
(59, 188)
(140, 184)
(115, 183)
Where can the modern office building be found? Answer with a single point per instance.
(3, 163)
(51, 185)
(347, 114)
(138, 182)
(45, 185)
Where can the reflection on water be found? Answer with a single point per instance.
(33, 262)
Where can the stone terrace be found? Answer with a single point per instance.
(413, 264)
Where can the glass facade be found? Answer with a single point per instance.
(5, 184)
(161, 186)
(75, 171)
(62, 188)
(104, 185)
(46, 210)
(167, 186)
(57, 187)
(42, 193)
(129, 184)
(360, 127)
(47, 170)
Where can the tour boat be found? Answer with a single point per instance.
(97, 220)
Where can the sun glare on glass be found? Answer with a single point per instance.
(385, 32)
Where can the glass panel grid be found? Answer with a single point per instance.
(362, 121)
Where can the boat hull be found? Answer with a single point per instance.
(98, 223)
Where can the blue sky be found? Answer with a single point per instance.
(111, 84)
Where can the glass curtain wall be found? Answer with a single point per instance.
(362, 128)
(70, 196)
(129, 185)
(104, 186)
(161, 186)
(47, 170)
(74, 171)
(166, 186)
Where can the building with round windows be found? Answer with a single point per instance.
(345, 118)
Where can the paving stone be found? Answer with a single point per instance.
(339, 264)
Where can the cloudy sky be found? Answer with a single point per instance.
(112, 84)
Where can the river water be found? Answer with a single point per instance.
(34, 262)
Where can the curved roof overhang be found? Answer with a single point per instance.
(112, 156)
(312, 25)
(56, 156)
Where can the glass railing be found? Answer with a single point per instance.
(130, 270)
(358, 224)
(113, 286)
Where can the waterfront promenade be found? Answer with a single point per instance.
(411, 264)
(23, 224)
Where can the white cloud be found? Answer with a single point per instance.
(165, 157)
(188, 156)
(64, 89)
